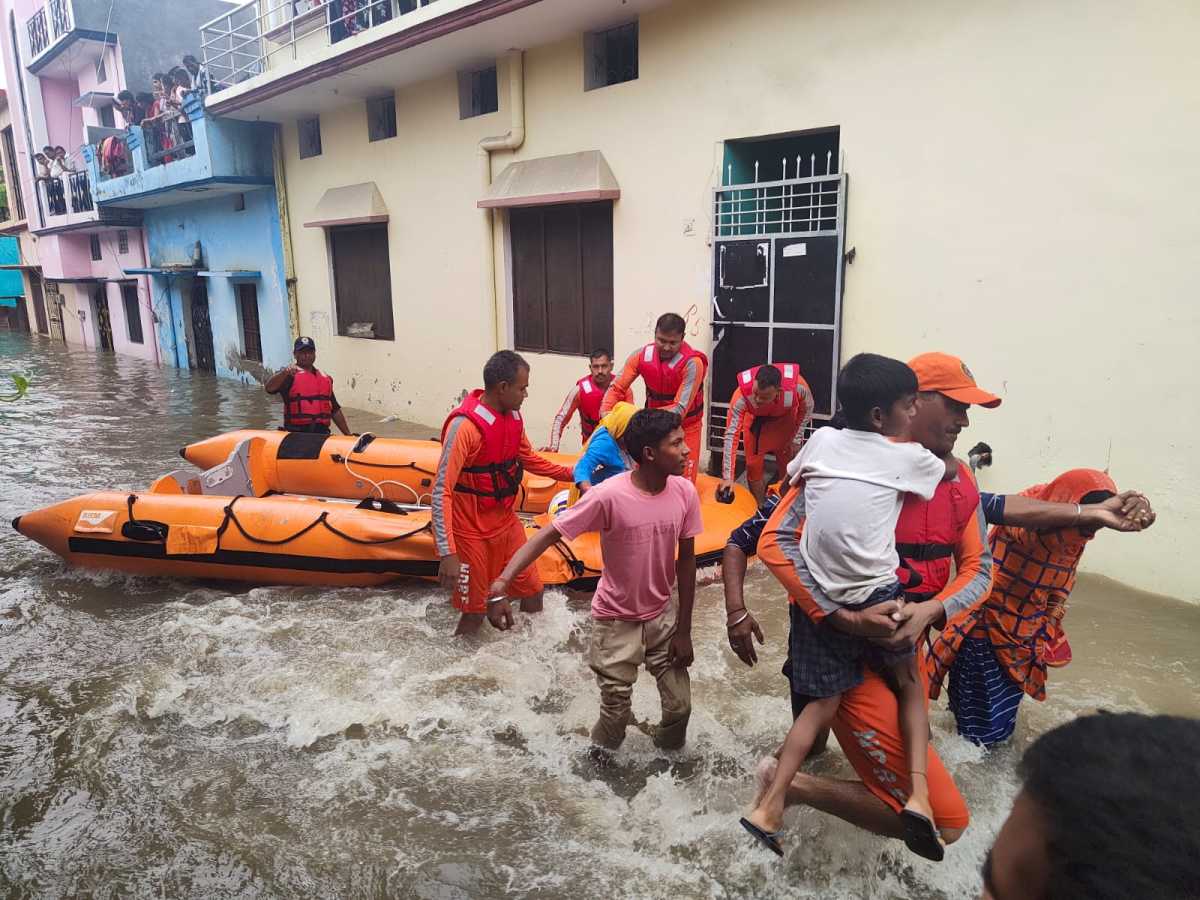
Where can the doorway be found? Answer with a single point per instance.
(202, 337)
(103, 320)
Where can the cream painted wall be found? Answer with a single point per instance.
(1023, 187)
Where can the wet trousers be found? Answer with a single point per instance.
(618, 647)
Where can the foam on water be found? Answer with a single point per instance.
(162, 739)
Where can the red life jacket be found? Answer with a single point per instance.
(591, 396)
(495, 475)
(309, 399)
(790, 391)
(928, 531)
(664, 378)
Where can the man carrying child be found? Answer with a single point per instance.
(648, 520)
(854, 481)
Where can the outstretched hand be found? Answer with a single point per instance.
(1127, 511)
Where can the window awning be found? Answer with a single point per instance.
(352, 204)
(234, 274)
(162, 270)
(93, 99)
(571, 178)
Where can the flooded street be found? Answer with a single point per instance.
(172, 739)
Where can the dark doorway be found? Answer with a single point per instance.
(39, 302)
(202, 338)
(103, 323)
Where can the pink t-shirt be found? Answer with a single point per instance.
(638, 536)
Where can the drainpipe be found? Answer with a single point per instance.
(511, 141)
(149, 282)
(285, 232)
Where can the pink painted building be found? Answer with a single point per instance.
(68, 62)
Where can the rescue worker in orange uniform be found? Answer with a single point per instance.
(943, 540)
(585, 395)
(674, 376)
(484, 455)
(768, 412)
(308, 401)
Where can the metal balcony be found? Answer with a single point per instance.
(48, 26)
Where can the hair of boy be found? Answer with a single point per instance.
(599, 352)
(670, 323)
(1117, 797)
(869, 380)
(648, 428)
(769, 377)
(502, 368)
(125, 96)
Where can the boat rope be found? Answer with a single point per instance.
(322, 520)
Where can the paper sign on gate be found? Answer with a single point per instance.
(795, 250)
(96, 521)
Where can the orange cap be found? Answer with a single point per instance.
(949, 375)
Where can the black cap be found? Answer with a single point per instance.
(303, 343)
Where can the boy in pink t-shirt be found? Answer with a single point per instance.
(643, 517)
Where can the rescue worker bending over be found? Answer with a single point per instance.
(769, 409)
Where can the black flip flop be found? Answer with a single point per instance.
(769, 839)
(921, 836)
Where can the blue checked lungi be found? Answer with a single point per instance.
(983, 698)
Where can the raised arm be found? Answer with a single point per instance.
(1127, 511)
(276, 381)
(619, 389)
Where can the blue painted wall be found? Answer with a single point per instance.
(249, 239)
(10, 279)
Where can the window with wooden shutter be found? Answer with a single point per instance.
(362, 281)
(562, 260)
(610, 56)
(309, 133)
(381, 118)
(247, 295)
(133, 313)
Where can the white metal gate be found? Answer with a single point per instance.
(777, 279)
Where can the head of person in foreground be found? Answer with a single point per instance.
(1107, 809)
(654, 440)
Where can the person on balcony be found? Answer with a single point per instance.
(181, 86)
(201, 80)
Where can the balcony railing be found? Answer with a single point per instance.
(69, 193)
(246, 41)
(47, 25)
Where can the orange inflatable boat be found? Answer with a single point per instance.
(351, 468)
(218, 524)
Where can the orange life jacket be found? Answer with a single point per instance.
(928, 531)
(309, 399)
(793, 390)
(591, 395)
(495, 475)
(663, 378)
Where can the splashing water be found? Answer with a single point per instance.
(165, 738)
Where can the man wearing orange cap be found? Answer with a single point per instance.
(930, 534)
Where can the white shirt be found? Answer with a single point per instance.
(854, 486)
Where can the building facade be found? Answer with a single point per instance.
(448, 197)
(211, 218)
(65, 62)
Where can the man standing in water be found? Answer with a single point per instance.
(674, 375)
(646, 519)
(868, 720)
(484, 455)
(585, 396)
(308, 401)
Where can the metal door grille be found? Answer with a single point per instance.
(777, 280)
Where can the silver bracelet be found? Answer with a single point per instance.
(745, 616)
(492, 600)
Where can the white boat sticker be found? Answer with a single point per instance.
(795, 250)
(96, 521)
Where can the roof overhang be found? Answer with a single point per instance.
(571, 178)
(352, 204)
(93, 99)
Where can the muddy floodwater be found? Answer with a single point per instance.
(175, 739)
